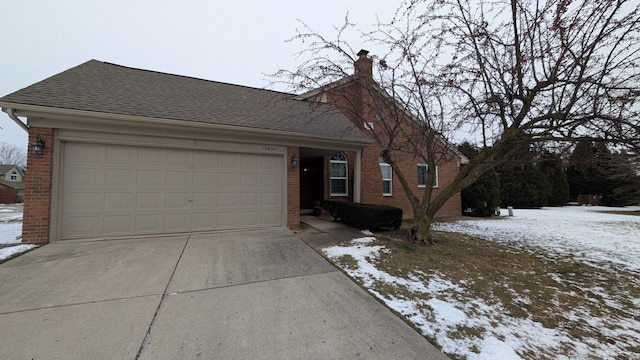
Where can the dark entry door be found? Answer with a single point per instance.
(311, 181)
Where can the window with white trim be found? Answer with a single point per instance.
(423, 170)
(338, 170)
(387, 186)
(14, 175)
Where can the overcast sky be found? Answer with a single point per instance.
(230, 41)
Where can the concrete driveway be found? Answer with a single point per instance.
(249, 295)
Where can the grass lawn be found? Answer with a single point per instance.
(477, 298)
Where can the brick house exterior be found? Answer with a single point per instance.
(11, 184)
(8, 193)
(348, 94)
(131, 152)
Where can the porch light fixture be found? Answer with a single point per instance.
(37, 147)
(294, 161)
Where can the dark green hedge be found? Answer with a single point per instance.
(365, 216)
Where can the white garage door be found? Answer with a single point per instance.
(115, 190)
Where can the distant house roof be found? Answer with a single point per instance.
(113, 89)
(12, 184)
(5, 168)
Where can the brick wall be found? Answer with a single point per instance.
(372, 183)
(36, 222)
(293, 189)
(352, 99)
(8, 195)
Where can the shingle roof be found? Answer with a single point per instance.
(4, 168)
(108, 88)
(18, 185)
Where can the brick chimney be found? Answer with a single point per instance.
(364, 65)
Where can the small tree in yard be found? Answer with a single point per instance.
(514, 73)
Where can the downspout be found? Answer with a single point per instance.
(357, 174)
(13, 117)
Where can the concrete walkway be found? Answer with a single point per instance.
(237, 295)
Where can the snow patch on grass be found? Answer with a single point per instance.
(8, 252)
(472, 328)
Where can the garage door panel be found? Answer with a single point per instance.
(76, 177)
(205, 160)
(87, 154)
(118, 190)
(119, 178)
(149, 200)
(249, 219)
(204, 200)
(271, 199)
(178, 179)
(227, 161)
(150, 178)
(227, 200)
(227, 179)
(81, 226)
(145, 223)
(180, 159)
(79, 202)
(177, 201)
(271, 218)
(250, 180)
(203, 180)
(177, 222)
(203, 221)
(227, 220)
(250, 200)
(271, 164)
(120, 155)
(151, 157)
(119, 201)
(117, 225)
(249, 162)
(270, 181)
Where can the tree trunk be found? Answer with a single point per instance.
(421, 230)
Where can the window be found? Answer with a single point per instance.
(338, 174)
(368, 126)
(14, 176)
(422, 175)
(387, 188)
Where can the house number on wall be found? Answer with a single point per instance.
(269, 148)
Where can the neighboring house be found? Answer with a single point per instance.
(11, 173)
(11, 184)
(130, 152)
(11, 192)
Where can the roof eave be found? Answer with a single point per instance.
(72, 118)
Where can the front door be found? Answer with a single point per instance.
(311, 181)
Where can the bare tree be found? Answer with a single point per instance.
(12, 155)
(515, 73)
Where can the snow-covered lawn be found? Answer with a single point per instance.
(10, 231)
(589, 233)
(606, 321)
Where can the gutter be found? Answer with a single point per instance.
(13, 117)
(73, 115)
